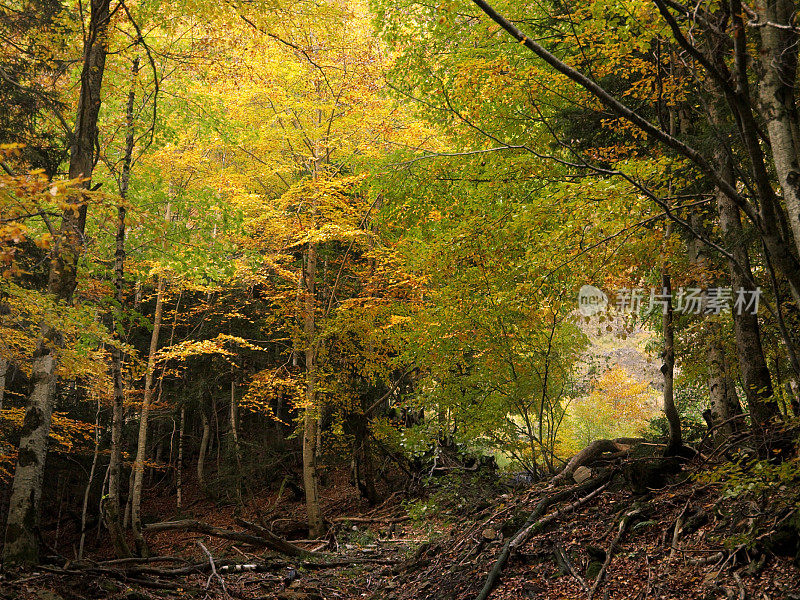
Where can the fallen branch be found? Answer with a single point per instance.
(591, 453)
(706, 560)
(370, 519)
(120, 576)
(740, 585)
(535, 523)
(525, 534)
(213, 570)
(265, 537)
(677, 531)
(277, 543)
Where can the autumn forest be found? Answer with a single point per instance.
(340, 299)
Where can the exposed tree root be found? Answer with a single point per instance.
(623, 527)
(589, 489)
(566, 564)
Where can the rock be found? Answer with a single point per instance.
(581, 474)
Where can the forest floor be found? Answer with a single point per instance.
(442, 546)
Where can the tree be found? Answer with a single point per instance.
(21, 545)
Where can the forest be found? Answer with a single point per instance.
(397, 299)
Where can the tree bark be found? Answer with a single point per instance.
(234, 419)
(112, 503)
(3, 372)
(179, 466)
(668, 371)
(721, 389)
(310, 419)
(87, 492)
(21, 545)
(201, 457)
(777, 99)
(141, 447)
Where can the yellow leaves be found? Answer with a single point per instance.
(68, 434)
(269, 385)
(191, 348)
(396, 320)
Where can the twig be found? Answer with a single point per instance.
(677, 531)
(564, 559)
(623, 527)
(742, 589)
(535, 523)
(213, 571)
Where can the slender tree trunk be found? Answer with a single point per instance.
(21, 545)
(722, 391)
(201, 457)
(234, 419)
(668, 370)
(141, 447)
(311, 423)
(88, 490)
(179, 466)
(112, 503)
(752, 364)
(126, 520)
(3, 372)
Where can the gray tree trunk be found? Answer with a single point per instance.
(777, 99)
(201, 457)
(752, 364)
(668, 371)
(721, 388)
(179, 466)
(310, 419)
(141, 446)
(21, 545)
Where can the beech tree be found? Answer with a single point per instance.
(21, 544)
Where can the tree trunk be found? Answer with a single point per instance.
(668, 370)
(777, 99)
(234, 419)
(201, 457)
(311, 423)
(3, 373)
(141, 447)
(87, 492)
(752, 364)
(179, 466)
(112, 503)
(722, 391)
(21, 545)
